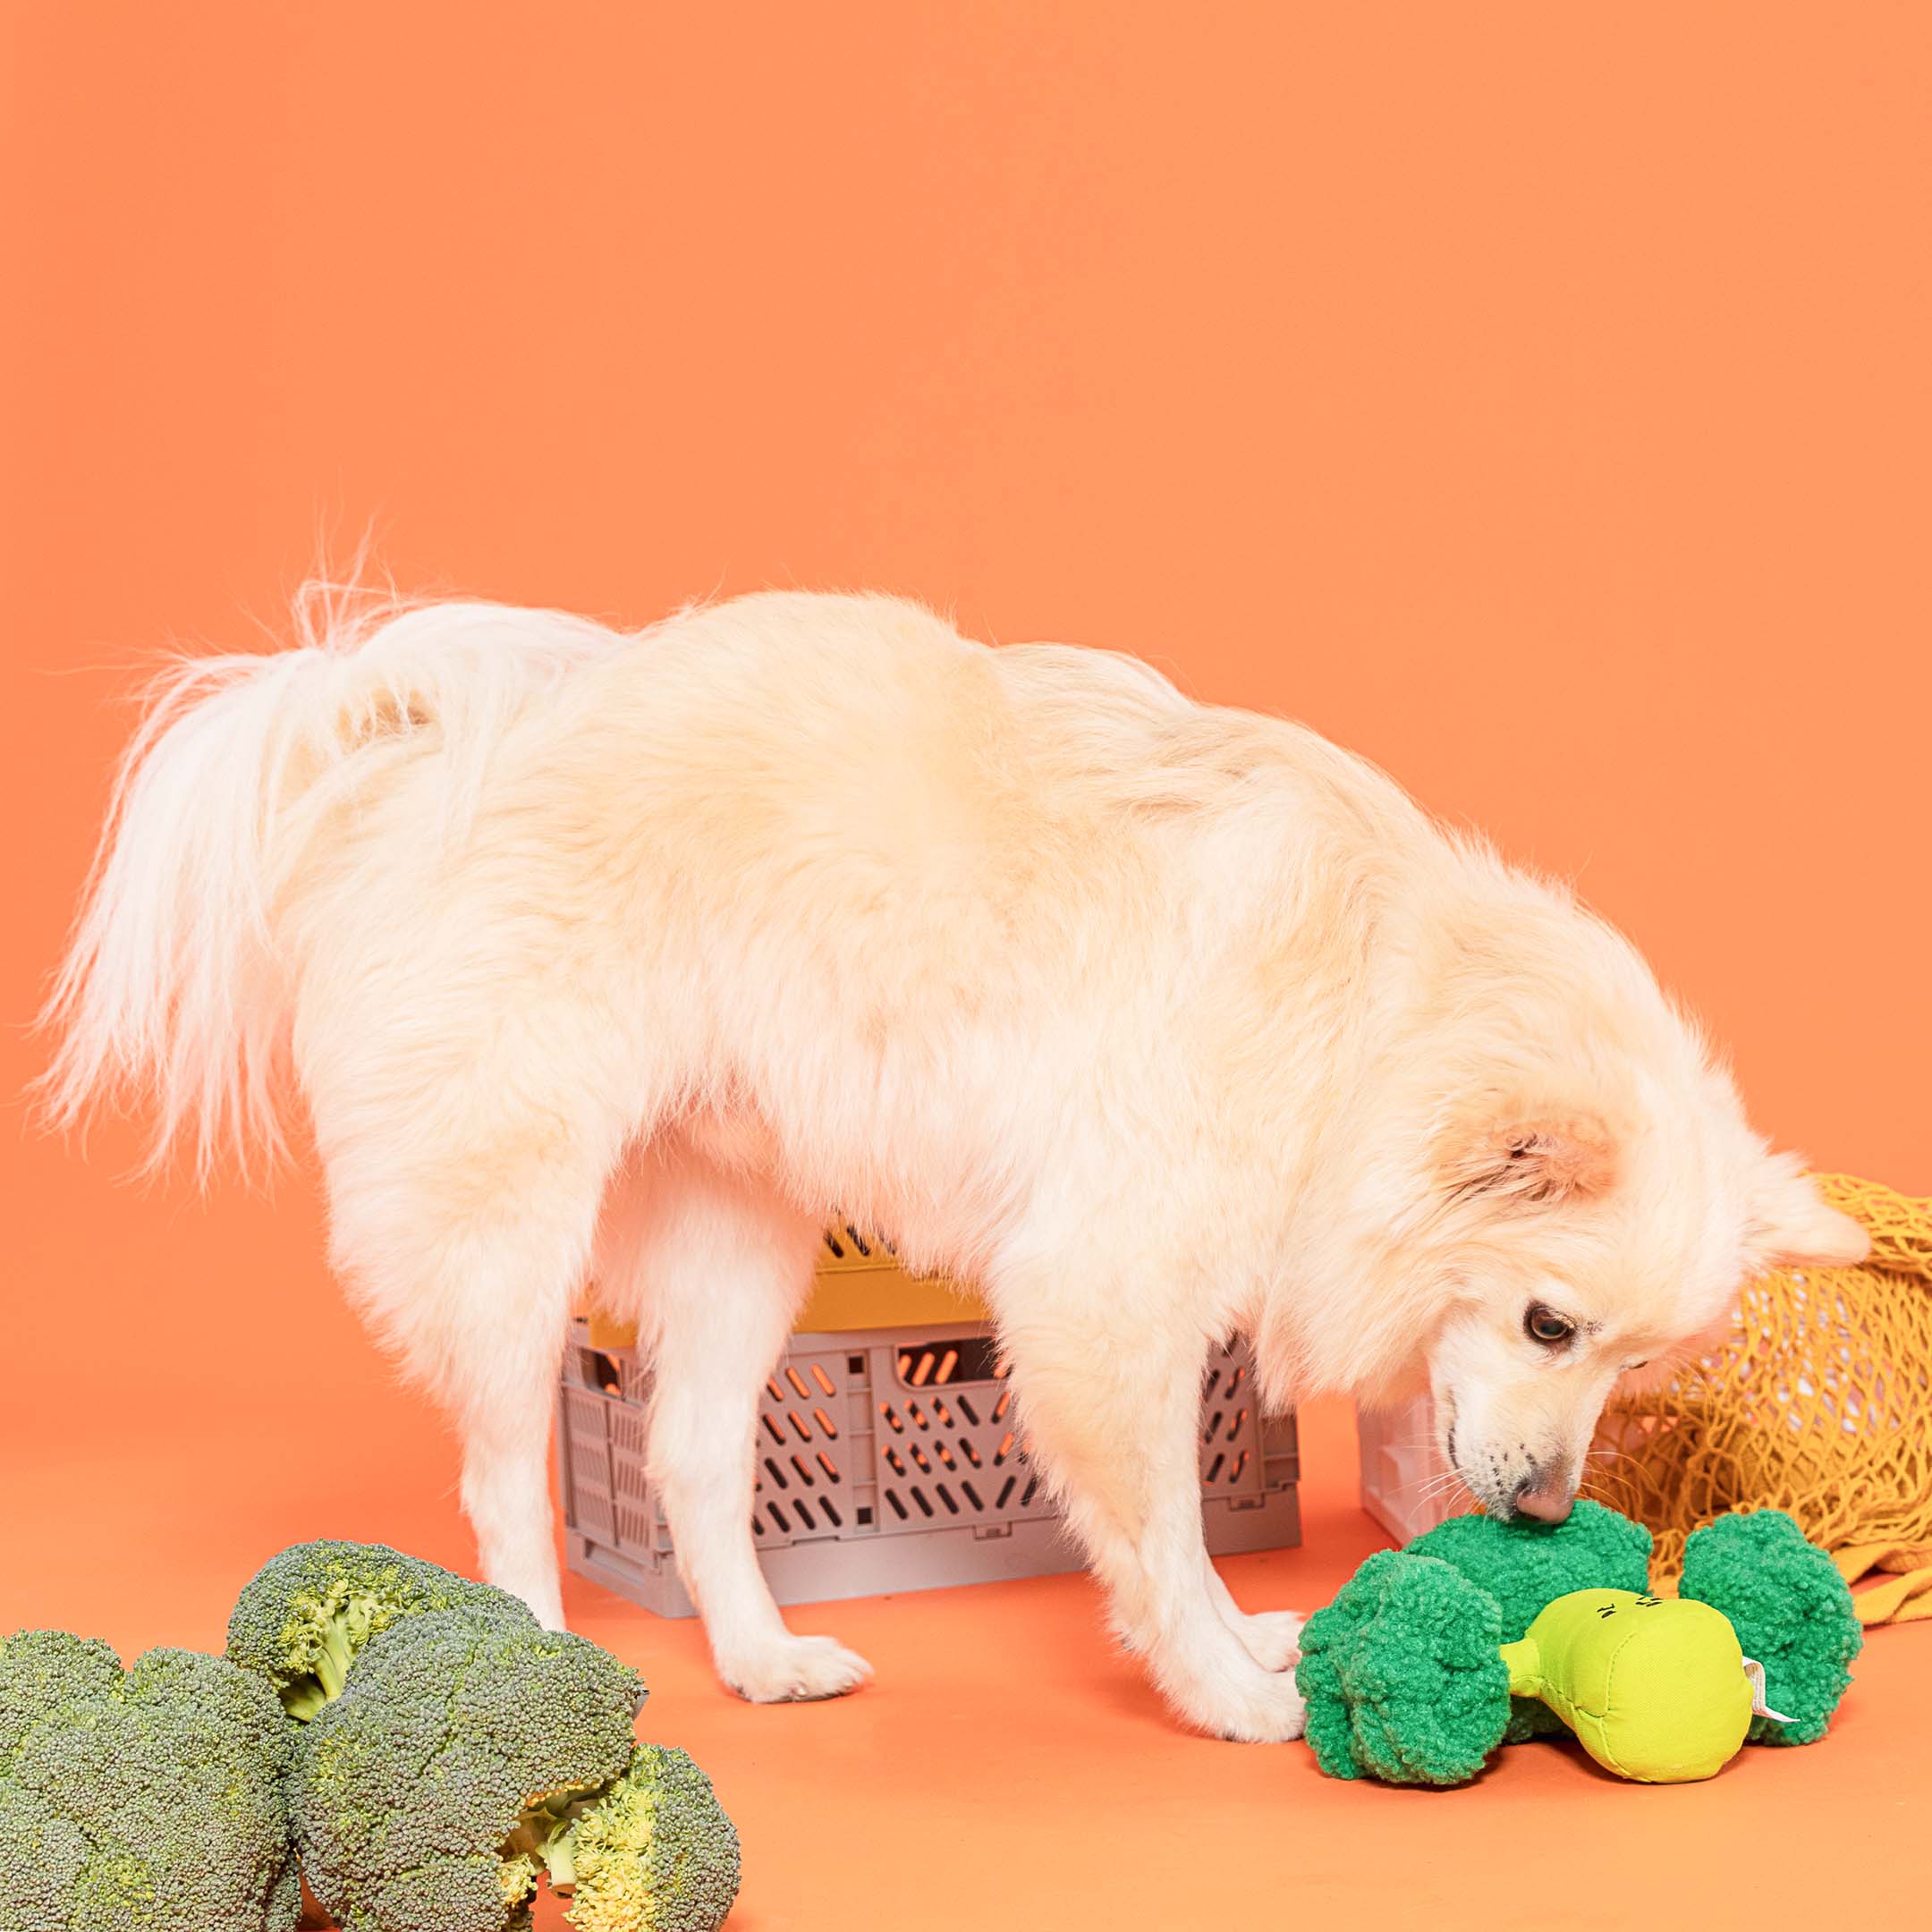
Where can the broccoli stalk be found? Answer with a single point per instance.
(652, 1849)
(323, 1635)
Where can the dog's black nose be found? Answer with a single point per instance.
(1547, 1498)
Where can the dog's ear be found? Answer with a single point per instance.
(1791, 1226)
(1530, 1156)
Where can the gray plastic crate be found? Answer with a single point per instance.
(887, 1460)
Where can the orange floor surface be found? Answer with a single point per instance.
(1010, 1767)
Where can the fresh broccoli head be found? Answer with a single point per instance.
(306, 1614)
(1525, 1565)
(1790, 1609)
(470, 1758)
(409, 1788)
(1403, 1675)
(150, 1799)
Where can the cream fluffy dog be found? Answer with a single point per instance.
(634, 956)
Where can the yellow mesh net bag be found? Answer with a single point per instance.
(1820, 1405)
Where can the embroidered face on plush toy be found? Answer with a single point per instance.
(1484, 1632)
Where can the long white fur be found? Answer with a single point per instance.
(633, 956)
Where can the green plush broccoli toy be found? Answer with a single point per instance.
(1483, 1633)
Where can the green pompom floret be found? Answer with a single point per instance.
(1790, 1609)
(150, 1799)
(1525, 1565)
(1403, 1675)
(308, 1612)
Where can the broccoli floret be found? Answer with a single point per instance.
(423, 1793)
(43, 1675)
(655, 1851)
(1790, 1609)
(153, 1799)
(470, 1758)
(1525, 1565)
(1403, 1675)
(306, 1614)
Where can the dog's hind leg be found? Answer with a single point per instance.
(715, 1266)
(1116, 1426)
(461, 1217)
(478, 1305)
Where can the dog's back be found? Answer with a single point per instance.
(814, 861)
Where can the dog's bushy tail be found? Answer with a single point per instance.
(172, 992)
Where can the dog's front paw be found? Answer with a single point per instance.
(1250, 1705)
(794, 1670)
(1273, 1639)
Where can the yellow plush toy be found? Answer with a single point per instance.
(1656, 1688)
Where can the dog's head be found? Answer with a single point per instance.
(1593, 1244)
(1555, 1187)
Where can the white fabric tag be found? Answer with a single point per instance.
(1754, 1671)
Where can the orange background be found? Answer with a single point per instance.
(1533, 398)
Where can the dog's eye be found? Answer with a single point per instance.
(1545, 1326)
